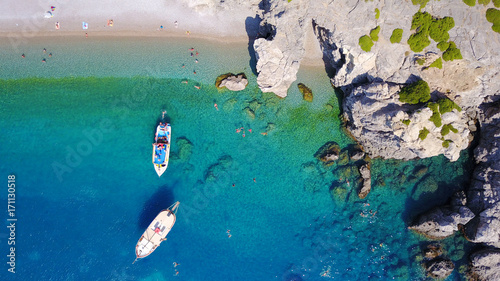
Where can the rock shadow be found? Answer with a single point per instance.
(160, 200)
(252, 29)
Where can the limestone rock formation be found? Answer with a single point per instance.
(483, 196)
(232, 82)
(443, 221)
(281, 47)
(485, 265)
(439, 268)
(328, 153)
(376, 117)
(367, 181)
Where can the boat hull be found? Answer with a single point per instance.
(155, 233)
(161, 165)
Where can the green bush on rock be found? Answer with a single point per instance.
(366, 43)
(496, 3)
(437, 63)
(447, 105)
(443, 46)
(436, 117)
(452, 53)
(418, 42)
(406, 122)
(446, 143)
(377, 13)
(417, 92)
(493, 16)
(397, 35)
(484, 2)
(374, 33)
(422, 3)
(423, 133)
(447, 128)
(471, 3)
(438, 29)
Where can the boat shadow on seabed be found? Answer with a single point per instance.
(159, 201)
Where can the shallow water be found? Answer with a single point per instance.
(86, 188)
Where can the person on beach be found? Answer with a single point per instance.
(176, 24)
(86, 35)
(197, 53)
(191, 49)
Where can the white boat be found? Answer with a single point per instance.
(156, 232)
(161, 147)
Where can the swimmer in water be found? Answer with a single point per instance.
(44, 50)
(50, 55)
(264, 133)
(216, 106)
(197, 87)
(185, 82)
(23, 56)
(175, 264)
(43, 60)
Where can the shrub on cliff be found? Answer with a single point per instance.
(484, 2)
(452, 53)
(493, 16)
(422, 3)
(443, 46)
(423, 133)
(417, 92)
(397, 35)
(366, 43)
(437, 63)
(447, 128)
(436, 117)
(374, 33)
(377, 13)
(447, 105)
(446, 143)
(438, 29)
(496, 3)
(471, 3)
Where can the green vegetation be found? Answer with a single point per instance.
(420, 61)
(496, 3)
(406, 122)
(377, 13)
(417, 92)
(437, 63)
(436, 117)
(438, 30)
(446, 143)
(452, 53)
(289, 1)
(365, 42)
(484, 2)
(374, 33)
(447, 128)
(423, 133)
(443, 46)
(493, 16)
(471, 3)
(397, 35)
(418, 42)
(422, 3)
(447, 105)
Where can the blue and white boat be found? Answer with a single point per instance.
(161, 147)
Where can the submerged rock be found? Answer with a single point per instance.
(439, 268)
(328, 153)
(232, 82)
(185, 148)
(307, 94)
(367, 178)
(442, 222)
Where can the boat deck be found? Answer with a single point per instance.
(155, 233)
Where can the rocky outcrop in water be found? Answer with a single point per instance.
(232, 82)
(388, 128)
(485, 265)
(366, 179)
(484, 192)
(442, 222)
(328, 153)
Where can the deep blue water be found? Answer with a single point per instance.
(80, 148)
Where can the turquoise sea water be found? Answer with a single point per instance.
(77, 133)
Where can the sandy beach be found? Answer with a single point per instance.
(169, 19)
